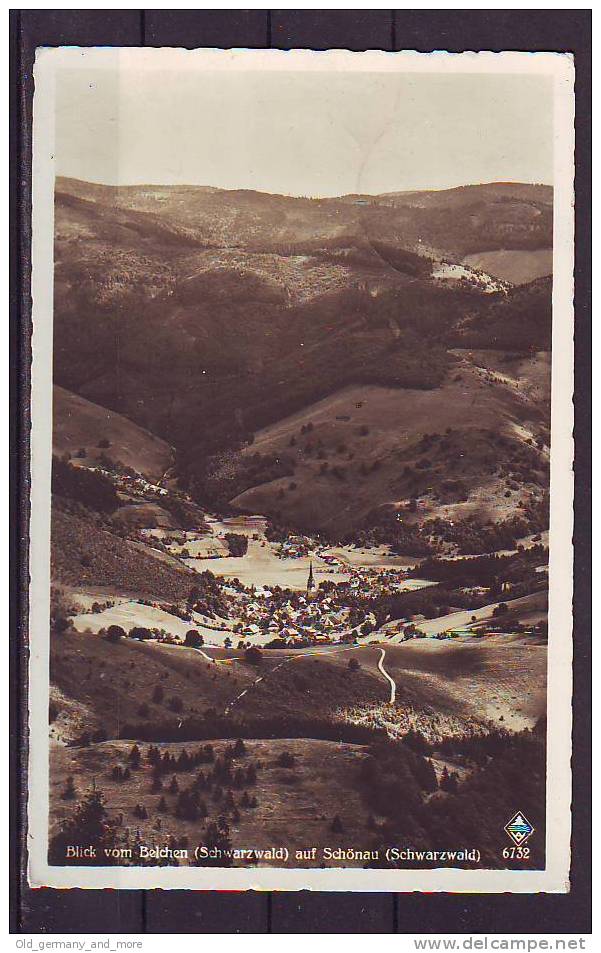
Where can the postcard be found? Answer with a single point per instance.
(301, 470)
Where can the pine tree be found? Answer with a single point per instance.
(88, 825)
(425, 774)
(218, 839)
(229, 802)
(135, 757)
(239, 748)
(69, 792)
(448, 781)
(153, 755)
(158, 694)
(157, 784)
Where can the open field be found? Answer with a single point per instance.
(377, 557)
(130, 614)
(450, 687)
(262, 567)
(502, 681)
(516, 266)
(80, 424)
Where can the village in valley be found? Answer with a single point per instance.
(293, 591)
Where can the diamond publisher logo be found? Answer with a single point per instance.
(519, 829)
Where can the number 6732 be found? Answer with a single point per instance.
(516, 853)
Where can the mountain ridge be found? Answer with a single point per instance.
(74, 180)
(206, 315)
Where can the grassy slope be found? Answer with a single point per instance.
(501, 678)
(518, 267)
(112, 681)
(441, 687)
(295, 805)
(109, 682)
(528, 375)
(79, 423)
(396, 420)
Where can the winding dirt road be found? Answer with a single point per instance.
(388, 677)
(291, 658)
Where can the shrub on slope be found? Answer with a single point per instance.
(89, 487)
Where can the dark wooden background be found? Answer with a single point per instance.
(156, 911)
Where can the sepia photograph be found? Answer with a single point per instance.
(301, 470)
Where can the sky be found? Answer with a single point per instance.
(299, 132)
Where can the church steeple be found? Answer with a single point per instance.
(310, 580)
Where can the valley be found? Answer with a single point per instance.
(300, 514)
